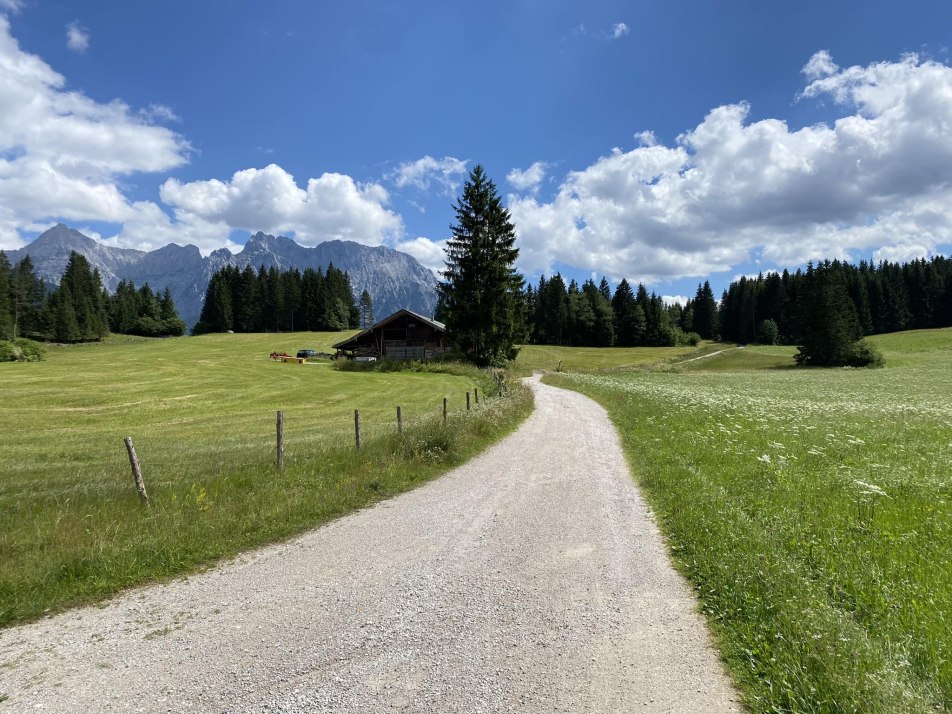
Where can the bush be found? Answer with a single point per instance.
(20, 350)
(769, 333)
(863, 354)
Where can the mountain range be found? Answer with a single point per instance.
(393, 279)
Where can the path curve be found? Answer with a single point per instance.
(532, 579)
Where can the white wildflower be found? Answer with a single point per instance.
(870, 488)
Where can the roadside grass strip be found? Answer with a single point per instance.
(812, 510)
(202, 413)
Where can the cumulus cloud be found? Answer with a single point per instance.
(64, 157)
(878, 177)
(446, 173)
(530, 179)
(619, 30)
(431, 254)
(158, 113)
(11, 5)
(77, 37)
(62, 154)
(675, 300)
(332, 206)
(820, 65)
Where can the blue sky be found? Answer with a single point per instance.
(665, 142)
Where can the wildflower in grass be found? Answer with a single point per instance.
(870, 489)
(765, 458)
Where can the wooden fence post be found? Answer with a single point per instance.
(357, 427)
(136, 471)
(399, 422)
(467, 402)
(444, 410)
(280, 440)
(476, 394)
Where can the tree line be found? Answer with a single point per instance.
(593, 316)
(79, 309)
(871, 299)
(272, 300)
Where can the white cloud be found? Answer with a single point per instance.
(820, 65)
(158, 113)
(431, 254)
(13, 6)
(77, 37)
(62, 154)
(530, 179)
(675, 300)
(447, 173)
(879, 177)
(619, 30)
(332, 206)
(902, 253)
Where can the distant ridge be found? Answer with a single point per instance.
(394, 280)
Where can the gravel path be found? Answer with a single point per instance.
(532, 579)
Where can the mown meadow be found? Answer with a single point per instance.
(593, 359)
(202, 413)
(812, 510)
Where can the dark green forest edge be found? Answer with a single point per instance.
(282, 301)
(825, 310)
(78, 310)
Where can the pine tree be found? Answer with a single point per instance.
(80, 303)
(366, 310)
(6, 309)
(123, 308)
(629, 316)
(481, 286)
(705, 312)
(603, 330)
(828, 324)
(28, 297)
(172, 324)
(217, 315)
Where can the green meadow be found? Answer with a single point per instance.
(812, 510)
(593, 359)
(202, 414)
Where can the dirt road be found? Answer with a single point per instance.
(532, 579)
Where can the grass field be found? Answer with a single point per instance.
(751, 357)
(201, 411)
(812, 509)
(593, 359)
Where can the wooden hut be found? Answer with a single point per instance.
(403, 335)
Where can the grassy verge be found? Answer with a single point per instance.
(202, 412)
(812, 509)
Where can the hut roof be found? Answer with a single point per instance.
(353, 341)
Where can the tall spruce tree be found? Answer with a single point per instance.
(829, 327)
(79, 311)
(6, 311)
(480, 290)
(366, 310)
(28, 298)
(705, 312)
(629, 316)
